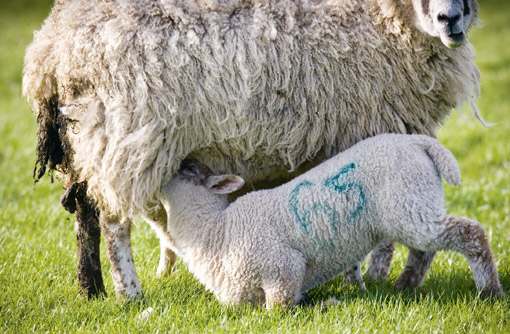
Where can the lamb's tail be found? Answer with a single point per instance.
(443, 159)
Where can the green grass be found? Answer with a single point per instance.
(38, 286)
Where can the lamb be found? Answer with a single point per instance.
(273, 245)
(124, 91)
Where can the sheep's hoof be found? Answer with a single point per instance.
(137, 300)
(160, 273)
(146, 313)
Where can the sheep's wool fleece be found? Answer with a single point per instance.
(255, 88)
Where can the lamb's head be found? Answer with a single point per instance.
(448, 19)
(195, 179)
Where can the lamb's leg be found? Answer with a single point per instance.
(284, 281)
(459, 234)
(304, 299)
(286, 291)
(353, 275)
(417, 265)
(468, 237)
(117, 234)
(380, 261)
(88, 237)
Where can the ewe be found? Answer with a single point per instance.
(125, 90)
(273, 245)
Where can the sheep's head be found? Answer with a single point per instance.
(448, 19)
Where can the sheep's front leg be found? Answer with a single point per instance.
(158, 221)
(166, 261)
(117, 234)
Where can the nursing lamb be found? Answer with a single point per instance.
(125, 90)
(273, 245)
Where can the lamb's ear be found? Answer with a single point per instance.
(224, 184)
(193, 168)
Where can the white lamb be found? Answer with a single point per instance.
(274, 245)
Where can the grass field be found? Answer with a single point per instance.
(38, 285)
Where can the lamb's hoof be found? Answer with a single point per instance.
(349, 276)
(407, 282)
(405, 286)
(355, 283)
(492, 292)
(305, 300)
(398, 286)
(377, 273)
(359, 284)
(352, 276)
(331, 301)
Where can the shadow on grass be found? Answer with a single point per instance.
(442, 289)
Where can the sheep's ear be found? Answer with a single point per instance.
(224, 184)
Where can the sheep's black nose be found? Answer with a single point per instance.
(452, 22)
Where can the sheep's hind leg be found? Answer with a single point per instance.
(88, 238)
(117, 235)
(380, 261)
(417, 265)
